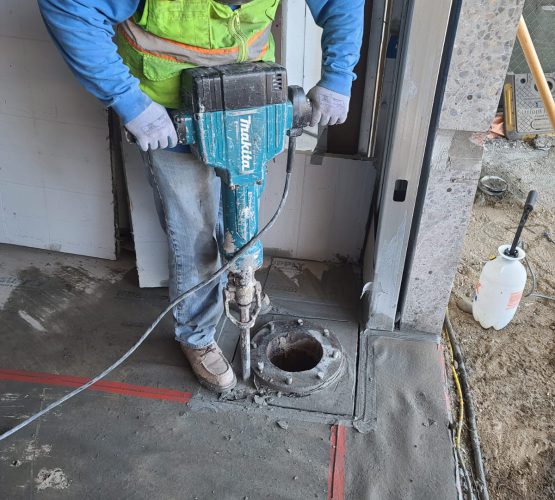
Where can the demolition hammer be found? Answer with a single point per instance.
(235, 118)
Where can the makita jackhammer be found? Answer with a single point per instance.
(235, 118)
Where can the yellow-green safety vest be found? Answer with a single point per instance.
(168, 36)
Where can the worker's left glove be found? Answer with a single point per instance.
(153, 128)
(328, 107)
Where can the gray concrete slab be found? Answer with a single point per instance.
(112, 447)
(327, 294)
(314, 289)
(408, 452)
(336, 399)
(65, 316)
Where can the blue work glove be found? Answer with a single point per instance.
(328, 107)
(153, 128)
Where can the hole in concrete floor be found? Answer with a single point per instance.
(295, 352)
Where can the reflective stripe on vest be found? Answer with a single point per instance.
(157, 46)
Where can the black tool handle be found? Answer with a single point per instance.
(531, 200)
(302, 109)
(528, 207)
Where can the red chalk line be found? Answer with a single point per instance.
(140, 391)
(336, 476)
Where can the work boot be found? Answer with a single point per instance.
(211, 368)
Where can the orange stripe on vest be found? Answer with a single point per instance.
(133, 33)
(144, 51)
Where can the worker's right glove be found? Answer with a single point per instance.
(153, 128)
(328, 107)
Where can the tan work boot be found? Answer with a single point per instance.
(211, 368)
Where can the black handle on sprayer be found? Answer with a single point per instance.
(528, 207)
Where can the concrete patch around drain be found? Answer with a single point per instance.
(296, 357)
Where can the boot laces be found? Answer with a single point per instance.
(208, 350)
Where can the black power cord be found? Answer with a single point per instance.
(173, 303)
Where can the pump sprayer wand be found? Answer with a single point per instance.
(528, 207)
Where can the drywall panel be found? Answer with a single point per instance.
(324, 218)
(327, 210)
(36, 83)
(55, 175)
(151, 246)
(22, 20)
(283, 238)
(300, 52)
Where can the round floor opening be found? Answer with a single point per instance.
(295, 352)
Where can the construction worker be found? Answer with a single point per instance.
(137, 75)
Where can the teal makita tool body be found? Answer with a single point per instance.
(235, 118)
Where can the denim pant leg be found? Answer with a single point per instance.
(187, 196)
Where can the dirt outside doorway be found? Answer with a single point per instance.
(512, 371)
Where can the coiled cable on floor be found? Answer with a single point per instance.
(482, 484)
(173, 303)
(532, 292)
(460, 417)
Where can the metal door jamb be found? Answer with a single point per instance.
(423, 40)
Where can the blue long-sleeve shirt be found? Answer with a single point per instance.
(83, 31)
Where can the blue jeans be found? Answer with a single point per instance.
(187, 197)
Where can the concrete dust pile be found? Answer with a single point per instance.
(54, 478)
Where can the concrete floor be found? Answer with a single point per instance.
(151, 432)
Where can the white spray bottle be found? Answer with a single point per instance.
(503, 279)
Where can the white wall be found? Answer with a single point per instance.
(324, 219)
(55, 177)
(327, 209)
(298, 49)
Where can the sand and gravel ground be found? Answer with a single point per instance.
(512, 371)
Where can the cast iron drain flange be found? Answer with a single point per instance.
(296, 357)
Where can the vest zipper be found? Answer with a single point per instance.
(235, 28)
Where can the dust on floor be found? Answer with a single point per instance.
(512, 371)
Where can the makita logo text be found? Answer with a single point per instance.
(246, 145)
